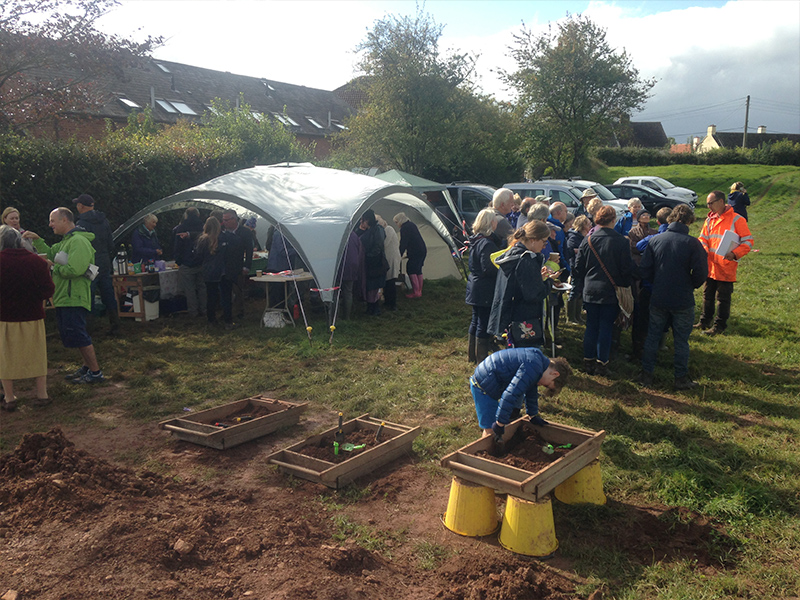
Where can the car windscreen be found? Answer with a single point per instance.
(601, 190)
(663, 183)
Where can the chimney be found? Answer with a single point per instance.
(695, 143)
(762, 129)
(152, 97)
(712, 130)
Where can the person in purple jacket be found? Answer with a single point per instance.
(352, 268)
(505, 378)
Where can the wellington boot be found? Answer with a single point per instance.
(482, 347)
(471, 356)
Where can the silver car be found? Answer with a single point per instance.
(661, 185)
(568, 191)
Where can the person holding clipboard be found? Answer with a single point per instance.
(726, 238)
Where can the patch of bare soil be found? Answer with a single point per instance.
(75, 526)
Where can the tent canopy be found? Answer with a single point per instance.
(315, 208)
(453, 220)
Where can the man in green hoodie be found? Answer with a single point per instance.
(70, 260)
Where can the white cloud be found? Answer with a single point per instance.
(700, 55)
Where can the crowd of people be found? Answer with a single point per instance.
(214, 259)
(525, 255)
(619, 270)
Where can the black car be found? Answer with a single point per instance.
(652, 200)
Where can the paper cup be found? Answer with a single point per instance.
(259, 273)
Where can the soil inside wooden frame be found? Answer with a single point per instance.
(525, 450)
(324, 450)
(248, 412)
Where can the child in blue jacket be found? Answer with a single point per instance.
(504, 379)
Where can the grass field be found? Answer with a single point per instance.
(727, 451)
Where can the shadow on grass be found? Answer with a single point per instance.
(602, 542)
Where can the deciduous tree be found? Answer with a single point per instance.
(50, 51)
(573, 89)
(421, 114)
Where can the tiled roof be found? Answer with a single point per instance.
(187, 89)
(732, 139)
(680, 149)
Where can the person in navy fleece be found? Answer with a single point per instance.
(676, 264)
(504, 379)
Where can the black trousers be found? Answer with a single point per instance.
(719, 292)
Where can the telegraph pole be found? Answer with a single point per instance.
(746, 117)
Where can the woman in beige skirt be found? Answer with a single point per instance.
(25, 284)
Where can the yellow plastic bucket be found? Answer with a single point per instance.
(528, 527)
(585, 487)
(471, 509)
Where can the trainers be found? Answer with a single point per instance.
(645, 379)
(700, 325)
(77, 374)
(713, 331)
(90, 377)
(684, 383)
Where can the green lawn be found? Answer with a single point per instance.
(727, 452)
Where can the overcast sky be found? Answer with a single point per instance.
(707, 56)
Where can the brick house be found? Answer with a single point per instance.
(177, 91)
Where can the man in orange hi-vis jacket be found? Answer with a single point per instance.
(722, 263)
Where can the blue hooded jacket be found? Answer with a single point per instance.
(509, 376)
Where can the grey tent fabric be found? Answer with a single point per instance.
(315, 208)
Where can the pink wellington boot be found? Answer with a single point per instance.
(414, 284)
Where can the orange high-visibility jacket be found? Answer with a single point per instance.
(711, 235)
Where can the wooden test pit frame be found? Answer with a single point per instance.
(518, 482)
(397, 441)
(198, 429)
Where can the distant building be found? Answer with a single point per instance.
(641, 135)
(731, 139)
(176, 91)
(680, 149)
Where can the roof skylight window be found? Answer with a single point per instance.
(182, 107)
(257, 116)
(285, 119)
(314, 123)
(163, 68)
(167, 106)
(340, 126)
(128, 103)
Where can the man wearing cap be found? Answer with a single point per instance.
(95, 222)
(70, 259)
(588, 195)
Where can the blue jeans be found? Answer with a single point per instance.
(682, 320)
(599, 330)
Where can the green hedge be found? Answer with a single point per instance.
(129, 170)
(778, 153)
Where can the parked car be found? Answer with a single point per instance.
(660, 185)
(568, 191)
(652, 200)
(470, 199)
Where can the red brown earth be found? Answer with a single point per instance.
(77, 524)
